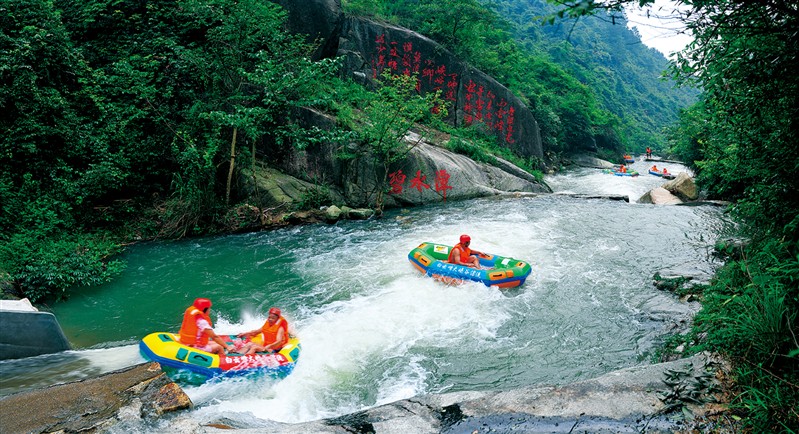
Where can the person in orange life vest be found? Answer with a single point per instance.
(196, 330)
(623, 169)
(655, 168)
(275, 331)
(461, 254)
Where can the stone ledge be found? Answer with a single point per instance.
(93, 404)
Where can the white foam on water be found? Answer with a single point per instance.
(342, 342)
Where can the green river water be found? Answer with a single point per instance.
(374, 330)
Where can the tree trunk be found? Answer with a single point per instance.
(261, 211)
(232, 165)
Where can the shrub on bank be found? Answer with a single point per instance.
(750, 315)
(45, 268)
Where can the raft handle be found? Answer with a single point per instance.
(497, 275)
(423, 259)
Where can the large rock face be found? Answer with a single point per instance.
(431, 173)
(369, 48)
(319, 20)
(625, 401)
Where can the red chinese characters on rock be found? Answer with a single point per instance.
(397, 179)
(387, 54)
(442, 183)
(418, 182)
(480, 104)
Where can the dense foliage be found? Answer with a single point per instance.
(589, 83)
(126, 119)
(745, 57)
(112, 108)
(741, 139)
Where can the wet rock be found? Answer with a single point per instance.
(170, 397)
(619, 197)
(332, 213)
(659, 196)
(731, 248)
(94, 404)
(683, 186)
(682, 277)
(589, 161)
(630, 400)
(701, 202)
(360, 213)
(304, 217)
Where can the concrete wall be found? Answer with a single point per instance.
(27, 334)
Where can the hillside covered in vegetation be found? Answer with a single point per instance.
(590, 81)
(124, 119)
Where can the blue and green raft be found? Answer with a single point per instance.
(495, 270)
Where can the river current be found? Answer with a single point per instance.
(374, 330)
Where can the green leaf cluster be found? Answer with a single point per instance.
(45, 268)
(381, 121)
(120, 113)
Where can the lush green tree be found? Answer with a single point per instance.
(382, 121)
(52, 170)
(741, 139)
(114, 107)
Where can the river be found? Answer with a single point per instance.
(374, 330)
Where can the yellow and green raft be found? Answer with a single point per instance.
(499, 271)
(166, 349)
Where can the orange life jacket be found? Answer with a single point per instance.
(270, 332)
(465, 253)
(188, 330)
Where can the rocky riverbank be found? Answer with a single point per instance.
(677, 396)
(95, 404)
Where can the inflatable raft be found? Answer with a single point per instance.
(166, 349)
(617, 173)
(661, 174)
(499, 271)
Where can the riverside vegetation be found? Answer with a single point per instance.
(129, 120)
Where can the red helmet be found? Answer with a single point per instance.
(465, 238)
(202, 303)
(275, 311)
